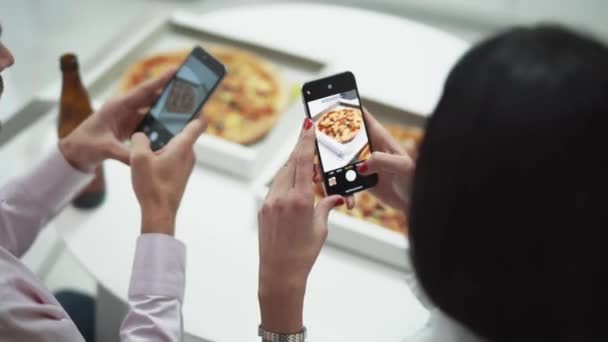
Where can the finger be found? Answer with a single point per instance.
(284, 180)
(188, 136)
(317, 175)
(120, 152)
(203, 120)
(386, 162)
(143, 110)
(350, 202)
(380, 137)
(305, 156)
(290, 165)
(140, 146)
(370, 120)
(373, 124)
(147, 92)
(160, 151)
(139, 115)
(323, 208)
(193, 130)
(281, 183)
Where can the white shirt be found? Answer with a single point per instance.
(440, 327)
(30, 312)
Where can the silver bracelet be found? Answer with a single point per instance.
(277, 337)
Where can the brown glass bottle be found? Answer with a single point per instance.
(75, 108)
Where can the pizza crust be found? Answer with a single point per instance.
(258, 116)
(150, 68)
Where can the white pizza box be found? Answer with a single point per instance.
(181, 31)
(360, 237)
(247, 161)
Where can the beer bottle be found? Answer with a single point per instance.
(75, 108)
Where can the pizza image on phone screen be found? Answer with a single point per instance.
(340, 129)
(180, 100)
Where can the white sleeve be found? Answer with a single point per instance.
(156, 291)
(29, 201)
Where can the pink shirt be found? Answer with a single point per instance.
(29, 312)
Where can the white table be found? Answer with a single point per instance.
(396, 61)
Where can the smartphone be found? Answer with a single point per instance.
(182, 98)
(343, 142)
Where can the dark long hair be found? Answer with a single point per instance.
(509, 206)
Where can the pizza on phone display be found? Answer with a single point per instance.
(367, 206)
(181, 97)
(341, 124)
(246, 104)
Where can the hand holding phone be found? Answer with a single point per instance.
(183, 97)
(343, 142)
(393, 164)
(153, 173)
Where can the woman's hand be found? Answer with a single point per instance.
(159, 179)
(391, 162)
(292, 231)
(102, 134)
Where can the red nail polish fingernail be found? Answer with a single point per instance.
(307, 123)
(339, 202)
(362, 168)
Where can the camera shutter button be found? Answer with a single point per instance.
(350, 175)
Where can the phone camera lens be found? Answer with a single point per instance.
(329, 86)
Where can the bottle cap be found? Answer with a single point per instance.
(68, 61)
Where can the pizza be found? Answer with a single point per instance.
(367, 206)
(341, 124)
(246, 104)
(150, 68)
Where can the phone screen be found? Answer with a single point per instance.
(183, 97)
(342, 139)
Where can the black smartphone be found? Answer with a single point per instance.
(343, 142)
(182, 98)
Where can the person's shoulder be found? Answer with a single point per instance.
(12, 271)
(442, 328)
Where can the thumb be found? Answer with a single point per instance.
(386, 162)
(140, 146)
(188, 136)
(120, 152)
(323, 208)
